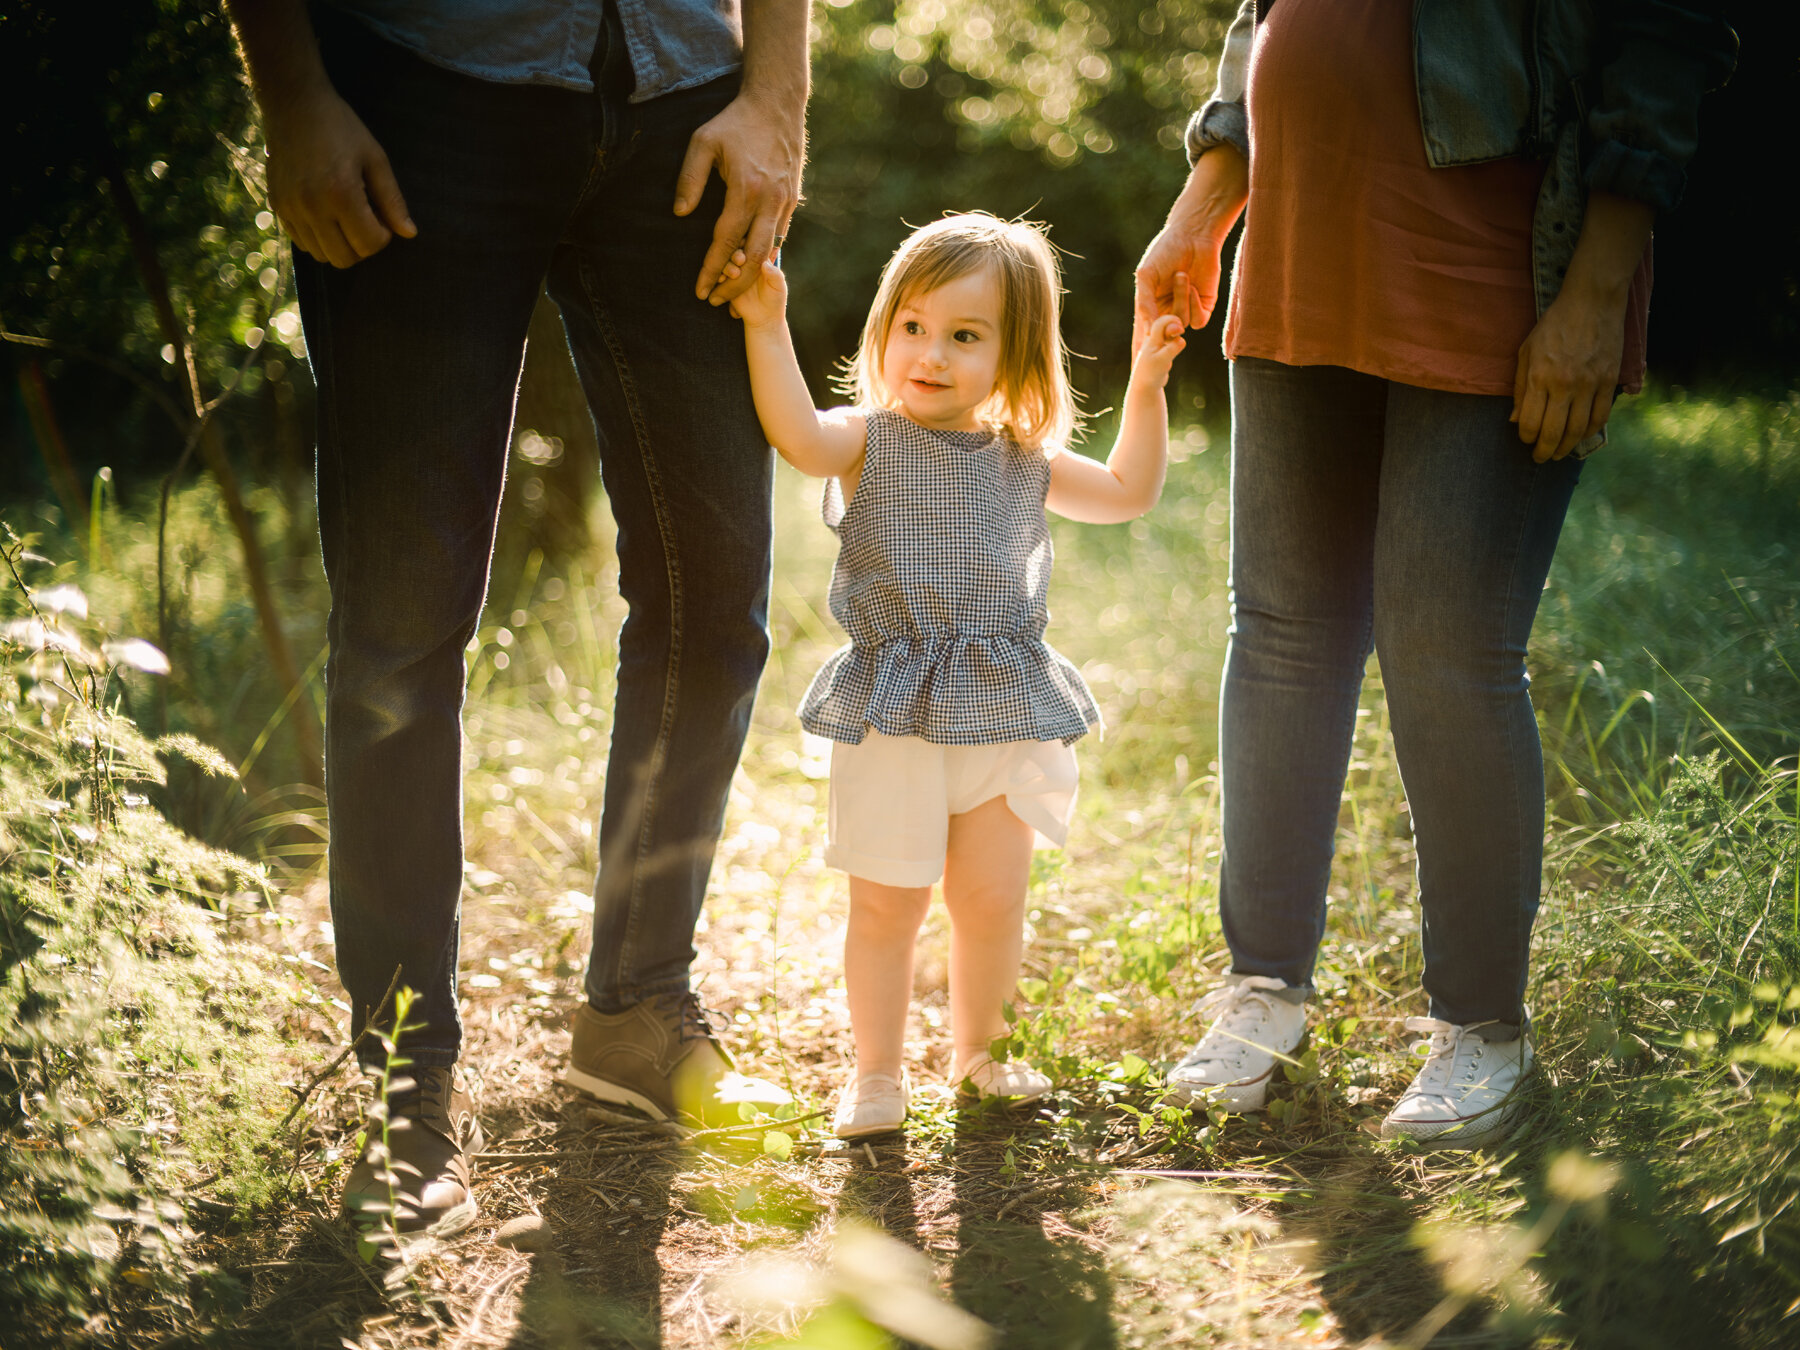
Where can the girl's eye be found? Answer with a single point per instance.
(912, 328)
(963, 335)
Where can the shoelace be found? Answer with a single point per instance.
(696, 1022)
(417, 1092)
(1444, 1051)
(1251, 997)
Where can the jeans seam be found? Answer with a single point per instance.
(659, 750)
(1512, 599)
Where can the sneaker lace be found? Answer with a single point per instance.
(694, 1020)
(418, 1093)
(1240, 1011)
(1453, 1054)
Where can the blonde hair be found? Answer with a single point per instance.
(1032, 399)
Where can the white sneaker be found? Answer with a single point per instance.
(1253, 1030)
(875, 1103)
(1013, 1079)
(1466, 1094)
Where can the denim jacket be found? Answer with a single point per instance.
(1608, 91)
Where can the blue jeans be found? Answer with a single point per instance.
(416, 353)
(1369, 514)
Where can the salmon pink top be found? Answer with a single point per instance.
(1355, 251)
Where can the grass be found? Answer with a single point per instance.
(1650, 1203)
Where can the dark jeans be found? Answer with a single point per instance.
(417, 353)
(1364, 514)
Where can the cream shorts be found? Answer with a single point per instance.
(892, 798)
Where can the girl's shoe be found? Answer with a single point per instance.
(1253, 1030)
(1466, 1094)
(1013, 1079)
(874, 1103)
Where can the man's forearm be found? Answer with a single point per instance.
(280, 52)
(776, 65)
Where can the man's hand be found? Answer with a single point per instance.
(1179, 273)
(758, 147)
(1569, 365)
(330, 182)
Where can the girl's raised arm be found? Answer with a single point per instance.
(823, 444)
(1131, 480)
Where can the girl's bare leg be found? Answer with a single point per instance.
(985, 878)
(878, 969)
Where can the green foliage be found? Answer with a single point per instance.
(1676, 1006)
(142, 1048)
(1668, 625)
(153, 103)
(1060, 110)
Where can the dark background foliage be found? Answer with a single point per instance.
(1061, 110)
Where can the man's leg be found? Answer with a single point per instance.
(689, 474)
(416, 354)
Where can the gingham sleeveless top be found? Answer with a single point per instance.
(942, 581)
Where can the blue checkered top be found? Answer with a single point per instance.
(942, 581)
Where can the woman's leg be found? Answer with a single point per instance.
(1306, 446)
(878, 969)
(1468, 527)
(986, 872)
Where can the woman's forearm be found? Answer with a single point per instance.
(1614, 234)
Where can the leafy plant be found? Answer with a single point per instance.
(140, 1050)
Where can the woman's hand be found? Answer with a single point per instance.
(1569, 364)
(1568, 369)
(1187, 247)
(765, 302)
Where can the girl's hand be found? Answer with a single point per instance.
(766, 301)
(1159, 343)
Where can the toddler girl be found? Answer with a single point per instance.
(952, 720)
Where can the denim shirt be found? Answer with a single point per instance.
(1608, 91)
(673, 44)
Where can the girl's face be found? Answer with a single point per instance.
(943, 351)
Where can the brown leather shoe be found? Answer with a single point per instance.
(432, 1139)
(662, 1057)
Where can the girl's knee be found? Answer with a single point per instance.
(894, 906)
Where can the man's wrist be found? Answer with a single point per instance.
(282, 55)
(779, 102)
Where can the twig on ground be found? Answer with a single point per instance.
(629, 1121)
(1189, 1175)
(748, 1129)
(1036, 1192)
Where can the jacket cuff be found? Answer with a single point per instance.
(1218, 123)
(1618, 168)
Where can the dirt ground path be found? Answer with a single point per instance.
(653, 1239)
